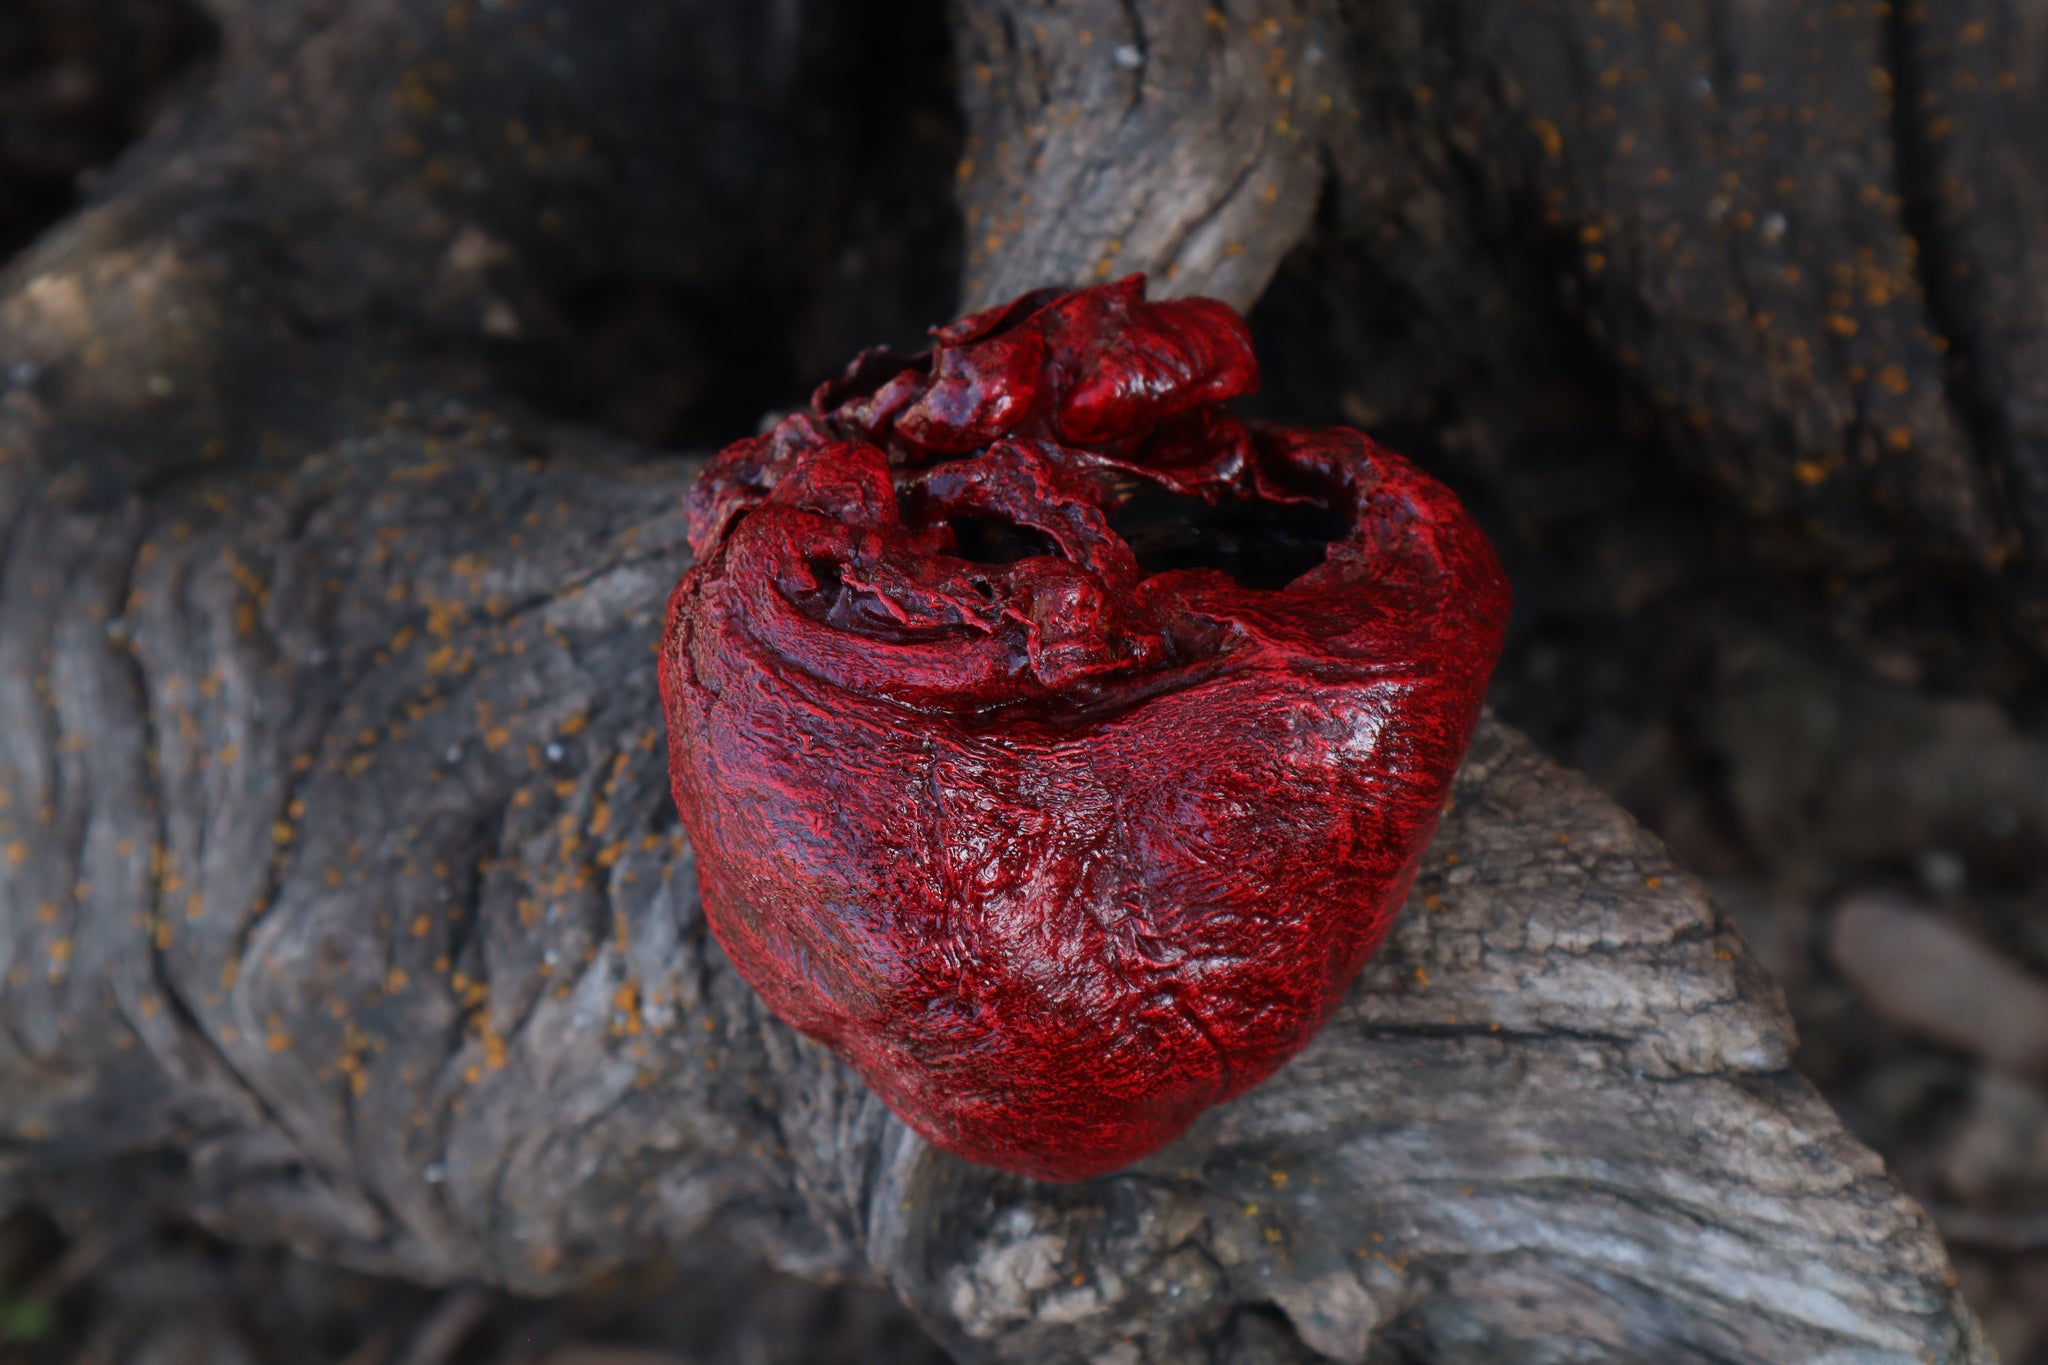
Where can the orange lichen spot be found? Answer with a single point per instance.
(1972, 32)
(59, 950)
(395, 980)
(1892, 378)
(46, 913)
(1812, 473)
(1432, 902)
(1899, 438)
(17, 853)
(494, 1050)
(422, 925)
(1842, 325)
(1547, 135)
(1653, 883)
(162, 935)
(1422, 977)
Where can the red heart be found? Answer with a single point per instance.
(1057, 843)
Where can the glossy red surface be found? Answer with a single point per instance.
(1057, 852)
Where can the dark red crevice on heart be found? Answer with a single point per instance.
(1055, 746)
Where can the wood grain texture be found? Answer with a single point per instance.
(1151, 135)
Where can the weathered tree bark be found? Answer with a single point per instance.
(342, 902)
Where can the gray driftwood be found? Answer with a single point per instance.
(341, 899)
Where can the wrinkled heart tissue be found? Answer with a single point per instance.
(1055, 746)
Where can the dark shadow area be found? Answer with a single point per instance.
(169, 1292)
(839, 234)
(993, 540)
(1260, 544)
(80, 80)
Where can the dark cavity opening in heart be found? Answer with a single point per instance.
(993, 540)
(1261, 544)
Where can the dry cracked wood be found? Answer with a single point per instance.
(342, 903)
